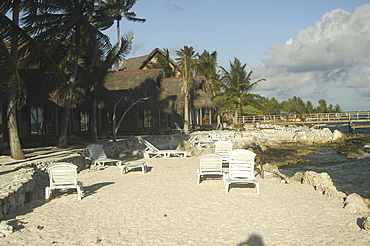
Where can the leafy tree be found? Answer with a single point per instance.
(207, 67)
(10, 76)
(236, 86)
(268, 106)
(337, 108)
(187, 64)
(11, 82)
(309, 107)
(62, 24)
(96, 67)
(322, 108)
(114, 10)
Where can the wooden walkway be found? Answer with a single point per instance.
(353, 119)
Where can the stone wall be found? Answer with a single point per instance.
(28, 182)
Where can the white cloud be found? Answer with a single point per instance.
(172, 6)
(335, 52)
(137, 47)
(339, 40)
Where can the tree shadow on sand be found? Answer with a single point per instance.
(253, 240)
(90, 190)
(30, 206)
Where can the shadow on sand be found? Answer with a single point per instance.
(18, 224)
(253, 240)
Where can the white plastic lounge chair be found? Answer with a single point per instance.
(241, 169)
(142, 164)
(178, 128)
(210, 165)
(194, 140)
(99, 159)
(223, 148)
(63, 175)
(151, 151)
(225, 136)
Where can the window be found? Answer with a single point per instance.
(37, 121)
(147, 118)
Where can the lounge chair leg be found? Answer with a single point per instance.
(227, 187)
(145, 167)
(257, 188)
(47, 193)
(79, 190)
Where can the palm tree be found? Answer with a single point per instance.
(9, 63)
(236, 86)
(187, 64)
(115, 10)
(61, 26)
(207, 66)
(11, 81)
(96, 67)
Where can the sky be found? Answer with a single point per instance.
(312, 49)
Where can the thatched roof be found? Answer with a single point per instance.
(138, 63)
(135, 63)
(136, 84)
(173, 86)
(122, 80)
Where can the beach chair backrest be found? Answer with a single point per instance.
(241, 164)
(223, 147)
(96, 152)
(63, 174)
(150, 146)
(210, 163)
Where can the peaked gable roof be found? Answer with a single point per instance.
(141, 62)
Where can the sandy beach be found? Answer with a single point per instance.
(166, 207)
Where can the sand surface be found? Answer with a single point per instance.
(167, 207)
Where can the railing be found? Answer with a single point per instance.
(306, 118)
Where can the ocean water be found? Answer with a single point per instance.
(348, 175)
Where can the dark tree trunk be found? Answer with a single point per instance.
(94, 129)
(14, 142)
(63, 138)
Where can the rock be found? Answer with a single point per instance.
(297, 177)
(366, 224)
(322, 183)
(355, 204)
(274, 170)
(314, 136)
(187, 146)
(351, 146)
(338, 137)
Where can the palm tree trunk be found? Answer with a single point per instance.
(63, 139)
(94, 128)
(14, 142)
(118, 32)
(186, 112)
(236, 115)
